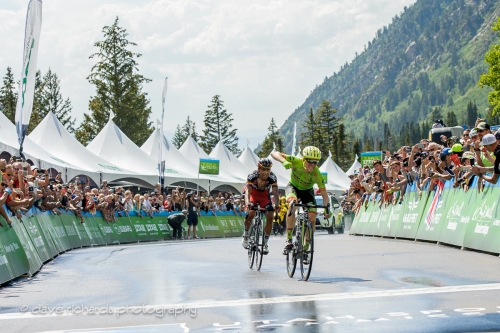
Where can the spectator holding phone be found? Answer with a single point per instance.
(491, 144)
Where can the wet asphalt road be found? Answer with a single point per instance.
(358, 284)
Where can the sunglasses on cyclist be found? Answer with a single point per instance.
(312, 162)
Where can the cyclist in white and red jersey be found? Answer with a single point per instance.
(259, 184)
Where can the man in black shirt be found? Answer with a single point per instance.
(492, 144)
(175, 221)
(192, 205)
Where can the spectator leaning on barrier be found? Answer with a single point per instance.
(175, 222)
(491, 143)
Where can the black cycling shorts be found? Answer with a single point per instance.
(305, 196)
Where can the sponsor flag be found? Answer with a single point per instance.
(209, 167)
(435, 202)
(294, 142)
(325, 176)
(30, 52)
(161, 162)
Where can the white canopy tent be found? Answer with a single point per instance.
(336, 176)
(174, 159)
(53, 136)
(113, 145)
(39, 156)
(355, 166)
(193, 152)
(248, 158)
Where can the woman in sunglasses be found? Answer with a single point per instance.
(304, 174)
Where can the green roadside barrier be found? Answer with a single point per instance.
(229, 225)
(164, 229)
(43, 228)
(123, 230)
(91, 227)
(108, 235)
(431, 232)
(138, 225)
(33, 229)
(60, 232)
(35, 262)
(483, 228)
(13, 259)
(209, 226)
(49, 230)
(70, 229)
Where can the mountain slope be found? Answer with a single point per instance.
(430, 55)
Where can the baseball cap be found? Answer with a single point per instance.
(457, 148)
(483, 125)
(473, 132)
(184, 211)
(488, 139)
(446, 151)
(497, 135)
(468, 155)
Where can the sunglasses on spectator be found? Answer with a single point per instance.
(9, 174)
(3, 184)
(312, 162)
(466, 134)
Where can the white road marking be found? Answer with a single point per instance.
(285, 299)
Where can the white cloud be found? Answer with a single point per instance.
(262, 57)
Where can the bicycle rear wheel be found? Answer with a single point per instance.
(291, 260)
(251, 247)
(306, 251)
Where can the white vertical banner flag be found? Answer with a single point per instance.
(294, 142)
(161, 163)
(30, 52)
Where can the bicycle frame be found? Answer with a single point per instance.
(255, 243)
(303, 228)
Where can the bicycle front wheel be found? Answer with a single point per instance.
(306, 251)
(251, 247)
(259, 246)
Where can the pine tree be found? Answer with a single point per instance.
(218, 127)
(272, 138)
(451, 119)
(327, 126)
(8, 96)
(471, 114)
(118, 89)
(178, 139)
(36, 117)
(182, 133)
(48, 98)
(311, 135)
(189, 129)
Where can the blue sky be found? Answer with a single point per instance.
(262, 57)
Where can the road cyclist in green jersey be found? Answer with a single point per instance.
(303, 175)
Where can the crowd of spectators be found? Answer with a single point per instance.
(473, 157)
(24, 187)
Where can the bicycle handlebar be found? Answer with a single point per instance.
(294, 204)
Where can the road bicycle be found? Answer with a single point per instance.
(300, 249)
(256, 240)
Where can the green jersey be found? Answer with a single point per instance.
(301, 179)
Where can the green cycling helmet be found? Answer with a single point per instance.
(311, 153)
(457, 148)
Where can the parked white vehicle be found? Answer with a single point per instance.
(333, 222)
